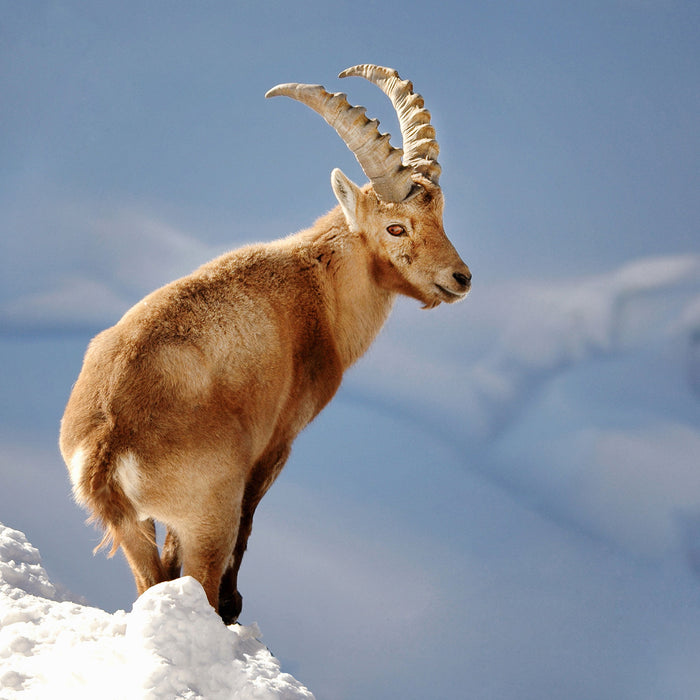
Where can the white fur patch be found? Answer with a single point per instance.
(76, 468)
(128, 477)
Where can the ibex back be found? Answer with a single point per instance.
(184, 411)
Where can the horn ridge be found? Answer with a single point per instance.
(419, 144)
(380, 161)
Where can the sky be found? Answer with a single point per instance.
(517, 473)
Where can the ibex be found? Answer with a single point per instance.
(184, 412)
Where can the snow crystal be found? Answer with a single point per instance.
(172, 644)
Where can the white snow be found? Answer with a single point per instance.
(171, 645)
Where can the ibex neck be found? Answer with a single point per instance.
(357, 306)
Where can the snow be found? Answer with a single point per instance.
(171, 645)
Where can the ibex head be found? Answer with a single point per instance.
(399, 214)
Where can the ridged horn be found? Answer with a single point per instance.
(380, 161)
(419, 145)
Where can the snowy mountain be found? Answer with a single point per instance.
(171, 645)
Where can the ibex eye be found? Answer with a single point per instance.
(396, 230)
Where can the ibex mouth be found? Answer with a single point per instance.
(449, 295)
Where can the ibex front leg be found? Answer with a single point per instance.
(206, 552)
(204, 534)
(262, 477)
(230, 600)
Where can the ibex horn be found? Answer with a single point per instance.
(419, 145)
(380, 161)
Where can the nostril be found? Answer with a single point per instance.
(462, 279)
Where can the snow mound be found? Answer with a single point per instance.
(171, 645)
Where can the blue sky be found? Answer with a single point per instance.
(504, 499)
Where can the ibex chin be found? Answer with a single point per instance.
(185, 411)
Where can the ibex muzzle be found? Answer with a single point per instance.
(185, 411)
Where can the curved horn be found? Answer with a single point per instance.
(380, 161)
(419, 144)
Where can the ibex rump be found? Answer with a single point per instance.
(184, 411)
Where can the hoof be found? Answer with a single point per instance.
(231, 608)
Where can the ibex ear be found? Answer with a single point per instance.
(348, 194)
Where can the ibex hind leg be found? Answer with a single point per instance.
(138, 541)
(172, 555)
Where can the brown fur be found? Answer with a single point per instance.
(185, 410)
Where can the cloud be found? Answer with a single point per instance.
(77, 266)
(579, 396)
(639, 484)
(474, 371)
(74, 304)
